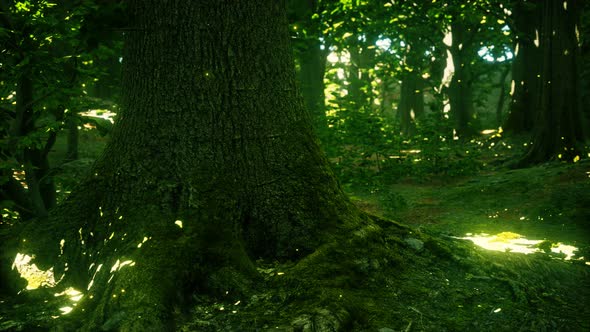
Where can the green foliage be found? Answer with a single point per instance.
(378, 155)
(48, 71)
(373, 47)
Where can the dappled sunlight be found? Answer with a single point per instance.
(339, 57)
(513, 242)
(29, 271)
(98, 268)
(8, 216)
(384, 44)
(37, 278)
(487, 53)
(73, 295)
(490, 131)
(104, 114)
(20, 176)
(119, 265)
(145, 238)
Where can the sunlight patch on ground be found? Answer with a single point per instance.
(34, 276)
(513, 242)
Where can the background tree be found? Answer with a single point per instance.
(419, 38)
(47, 64)
(559, 127)
(585, 58)
(310, 53)
(471, 26)
(404, 55)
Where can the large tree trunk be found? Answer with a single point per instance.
(558, 130)
(584, 29)
(212, 162)
(526, 68)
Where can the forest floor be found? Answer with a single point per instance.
(438, 281)
(547, 202)
(428, 277)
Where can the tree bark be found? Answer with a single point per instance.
(72, 138)
(558, 131)
(212, 163)
(526, 68)
(460, 91)
(41, 187)
(312, 61)
(411, 105)
(500, 104)
(585, 62)
(311, 77)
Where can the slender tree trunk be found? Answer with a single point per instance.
(411, 105)
(107, 86)
(355, 78)
(361, 60)
(41, 189)
(502, 97)
(387, 88)
(72, 138)
(212, 162)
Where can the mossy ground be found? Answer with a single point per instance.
(382, 281)
(389, 277)
(546, 202)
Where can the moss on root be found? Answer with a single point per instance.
(382, 275)
(378, 279)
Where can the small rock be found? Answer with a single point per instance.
(415, 244)
(386, 329)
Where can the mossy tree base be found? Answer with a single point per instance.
(384, 275)
(379, 278)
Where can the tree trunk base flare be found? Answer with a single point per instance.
(383, 275)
